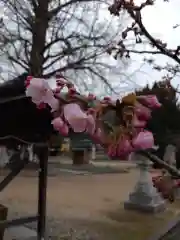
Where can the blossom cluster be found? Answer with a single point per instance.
(73, 111)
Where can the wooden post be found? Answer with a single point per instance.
(42, 191)
(3, 217)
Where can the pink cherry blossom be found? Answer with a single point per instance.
(143, 113)
(60, 126)
(137, 123)
(144, 140)
(71, 115)
(76, 118)
(124, 147)
(40, 92)
(150, 101)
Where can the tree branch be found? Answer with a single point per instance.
(137, 17)
(139, 29)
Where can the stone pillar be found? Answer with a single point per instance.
(93, 156)
(144, 197)
(4, 158)
(170, 158)
(170, 155)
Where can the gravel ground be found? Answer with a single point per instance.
(61, 229)
(73, 202)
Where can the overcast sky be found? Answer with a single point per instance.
(159, 20)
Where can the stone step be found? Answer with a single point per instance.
(20, 233)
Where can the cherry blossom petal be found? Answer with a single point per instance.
(150, 101)
(144, 140)
(137, 123)
(142, 112)
(76, 118)
(124, 148)
(60, 126)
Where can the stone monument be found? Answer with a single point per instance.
(144, 197)
(4, 158)
(170, 155)
(170, 158)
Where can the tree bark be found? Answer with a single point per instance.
(39, 30)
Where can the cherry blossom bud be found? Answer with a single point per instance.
(57, 90)
(60, 83)
(72, 91)
(107, 99)
(69, 85)
(91, 96)
(28, 80)
(41, 106)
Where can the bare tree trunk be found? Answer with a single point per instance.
(39, 29)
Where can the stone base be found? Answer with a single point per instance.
(145, 198)
(156, 208)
